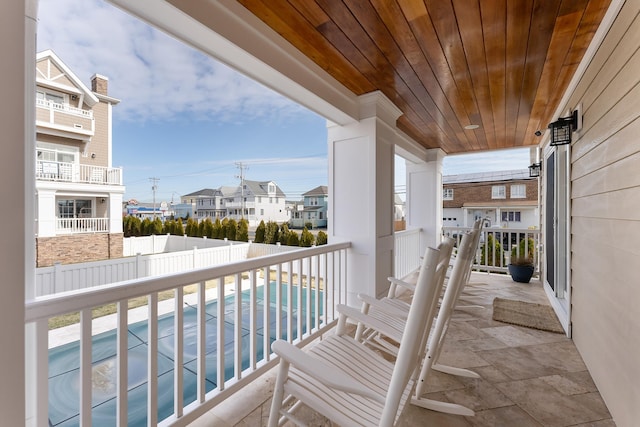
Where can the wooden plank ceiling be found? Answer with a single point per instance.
(447, 64)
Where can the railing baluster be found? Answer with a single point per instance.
(290, 302)
(85, 367)
(317, 281)
(253, 314)
(278, 334)
(237, 361)
(309, 291)
(220, 340)
(122, 363)
(299, 305)
(178, 345)
(152, 361)
(266, 303)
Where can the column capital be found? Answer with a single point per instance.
(376, 104)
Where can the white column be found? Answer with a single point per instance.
(46, 205)
(115, 212)
(424, 198)
(361, 165)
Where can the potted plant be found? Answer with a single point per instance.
(521, 267)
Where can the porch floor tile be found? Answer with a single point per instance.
(528, 377)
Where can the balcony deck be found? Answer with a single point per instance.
(529, 377)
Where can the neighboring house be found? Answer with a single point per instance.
(192, 198)
(314, 209)
(78, 192)
(256, 201)
(211, 203)
(505, 199)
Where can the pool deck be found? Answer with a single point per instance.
(528, 377)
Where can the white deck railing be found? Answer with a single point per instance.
(81, 225)
(65, 108)
(301, 310)
(74, 172)
(496, 257)
(407, 252)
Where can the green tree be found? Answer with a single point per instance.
(232, 229)
(146, 227)
(243, 231)
(260, 232)
(168, 226)
(224, 226)
(284, 233)
(306, 238)
(321, 238)
(217, 229)
(136, 226)
(207, 228)
(293, 239)
(179, 228)
(157, 226)
(271, 233)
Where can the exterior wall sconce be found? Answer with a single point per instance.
(562, 129)
(93, 155)
(534, 170)
(103, 199)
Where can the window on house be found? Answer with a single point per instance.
(447, 194)
(270, 199)
(74, 208)
(261, 212)
(518, 191)
(272, 188)
(498, 192)
(511, 216)
(320, 215)
(50, 97)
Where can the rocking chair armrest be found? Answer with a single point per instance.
(331, 376)
(382, 305)
(371, 322)
(398, 282)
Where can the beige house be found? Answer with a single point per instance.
(419, 83)
(78, 192)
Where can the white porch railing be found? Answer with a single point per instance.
(298, 307)
(496, 257)
(407, 252)
(73, 172)
(66, 108)
(81, 225)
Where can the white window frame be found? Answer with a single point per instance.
(518, 191)
(447, 194)
(498, 192)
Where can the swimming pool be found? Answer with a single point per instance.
(64, 365)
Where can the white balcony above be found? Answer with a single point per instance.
(53, 117)
(77, 173)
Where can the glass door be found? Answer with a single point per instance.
(556, 231)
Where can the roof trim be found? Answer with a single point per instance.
(90, 98)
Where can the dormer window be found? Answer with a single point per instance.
(272, 188)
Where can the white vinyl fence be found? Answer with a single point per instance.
(62, 278)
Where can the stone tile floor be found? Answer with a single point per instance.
(528, 377)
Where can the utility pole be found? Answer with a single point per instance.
(242, 168)
(154, 187)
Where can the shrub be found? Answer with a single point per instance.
(308, 225)
(224, 225)
(307, 238)
(271, 233)
(293, 239)
(207, 229)
(146, 227)
(243, 231)
(321, 238)
(492, 250)
(260, 231)
(284, 233)
(178, 230)
(519, 251)
(168, 226)
(232, 229)
(217, 229)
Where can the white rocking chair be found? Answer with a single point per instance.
(345, 380)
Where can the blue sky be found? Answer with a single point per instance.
(186, 119)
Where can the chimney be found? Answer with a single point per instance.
(99, 84)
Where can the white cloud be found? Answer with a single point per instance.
(155, 76)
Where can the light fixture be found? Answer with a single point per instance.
(102, 200)
(562, 129)
(93, 155)
(471, 127)
(534, 170)
(538, 133)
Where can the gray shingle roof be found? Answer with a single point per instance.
(509, 175)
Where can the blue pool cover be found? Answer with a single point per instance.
(64, 365)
